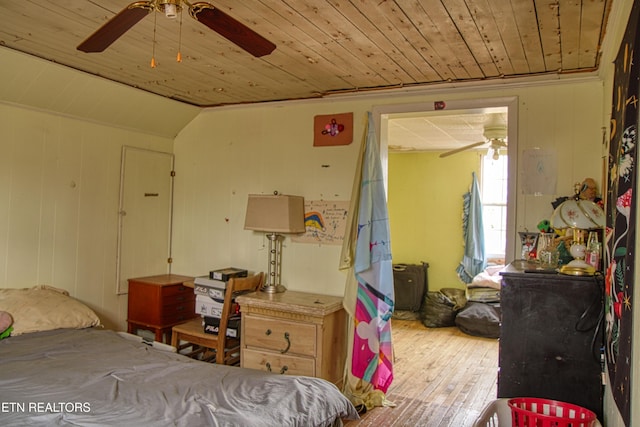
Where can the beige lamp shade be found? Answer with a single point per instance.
(275, 213)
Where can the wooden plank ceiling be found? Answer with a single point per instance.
(323, 47)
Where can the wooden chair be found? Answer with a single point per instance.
(226, 349)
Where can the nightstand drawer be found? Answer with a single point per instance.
(176, 300)
(279, 335)
(180, 317)
(278, 363)
(178, 312)
(175, 291)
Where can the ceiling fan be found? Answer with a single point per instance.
(495, 134)
(203, 12)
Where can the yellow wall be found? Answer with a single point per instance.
(425, 211)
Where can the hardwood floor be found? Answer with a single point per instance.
(442, 378)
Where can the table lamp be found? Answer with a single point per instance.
(275, 214)
(577, 215)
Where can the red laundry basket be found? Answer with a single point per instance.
(534, 412)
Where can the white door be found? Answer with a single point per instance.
(144, 240)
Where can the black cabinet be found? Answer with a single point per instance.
(551, 337)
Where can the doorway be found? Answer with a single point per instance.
(383, 114)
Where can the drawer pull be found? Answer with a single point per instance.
(268, 366)
(284, 369)
(286, 337)
(268, 332)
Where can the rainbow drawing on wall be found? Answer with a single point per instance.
(314, 219)
(325, 222)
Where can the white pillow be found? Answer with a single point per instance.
(43, 308)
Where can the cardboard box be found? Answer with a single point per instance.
(203, 285)
(212, 325)
(225, 274)
(207, 306)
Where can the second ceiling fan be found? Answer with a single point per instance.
(494, 132)
(205, 13)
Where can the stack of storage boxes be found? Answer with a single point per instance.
(210, 292)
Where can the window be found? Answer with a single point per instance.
(494, 204)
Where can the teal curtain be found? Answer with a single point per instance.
(474, 260)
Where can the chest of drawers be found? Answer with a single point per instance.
(159, 302)
(550, 338)
(294, 333)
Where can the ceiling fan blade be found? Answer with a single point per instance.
(104, 36)
(233, 30)
(466, 147)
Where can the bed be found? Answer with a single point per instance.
(60, 368)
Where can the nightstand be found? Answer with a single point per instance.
(294, 333)
(157, 303)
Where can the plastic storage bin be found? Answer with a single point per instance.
(534, 412)
(498, 414)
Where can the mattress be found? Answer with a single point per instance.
(93, 377)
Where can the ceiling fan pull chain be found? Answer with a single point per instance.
(153, 48)
(179, 55)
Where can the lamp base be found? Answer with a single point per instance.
(578, 267)
(273, 289)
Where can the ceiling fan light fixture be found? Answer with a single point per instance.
(170, 8)
(495, 132)
(171, 11)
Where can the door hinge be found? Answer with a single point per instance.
(173, 173)
(169, 260)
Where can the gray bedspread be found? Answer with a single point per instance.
(93, 377)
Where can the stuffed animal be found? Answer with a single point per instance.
(544, 226)
(5, 324)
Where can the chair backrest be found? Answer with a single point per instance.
(242, 284)
(235, 285)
